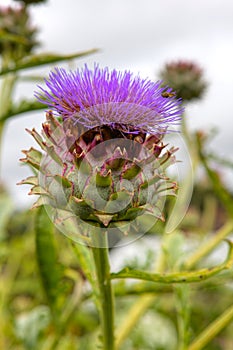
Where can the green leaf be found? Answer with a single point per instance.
(23, 106)
(37, 137)
(31, 180)
(50, 151)
(152, 181)
(63, 181)
(133, 213)
(41, 60)
(104, 218)
(33, 157)
(50, 269)
(80, 208)
(123, 288)
(103, 180)
(177, 277)
(130, 173)
(31, 78)
(38, 190)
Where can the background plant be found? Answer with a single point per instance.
(47, 304)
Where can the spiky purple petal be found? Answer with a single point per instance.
(100, 96)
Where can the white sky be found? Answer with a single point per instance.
(140, 35)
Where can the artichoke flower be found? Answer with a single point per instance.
(17, 34)
(103, 160)
(186, 78)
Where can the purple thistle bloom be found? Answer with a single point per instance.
(103, 161)
(103, 97)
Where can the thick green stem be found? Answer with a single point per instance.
(105, 294)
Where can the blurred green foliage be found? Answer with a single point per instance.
(46, 285)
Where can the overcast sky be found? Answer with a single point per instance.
(140, 35)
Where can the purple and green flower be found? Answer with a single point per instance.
(104, 158)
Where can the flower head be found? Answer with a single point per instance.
(18, 37)
(186, 78)
(104, 161)
(103, 97)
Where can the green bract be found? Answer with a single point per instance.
(103, 176)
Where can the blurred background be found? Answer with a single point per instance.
(45, 295)
(141, 36)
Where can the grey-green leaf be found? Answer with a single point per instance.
(23, 106)
(41, 60)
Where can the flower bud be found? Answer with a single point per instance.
(186, 78)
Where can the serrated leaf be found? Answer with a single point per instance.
(33, 157)
(96, 196)
(42, 59)
(71, 225)
(118, 202)
(80, 208)
(154, 210)
(37, 137)
(103, 180)
(104, 218)
(40, 202)
(65, 183)
(52, 153)
(31, 180)
(133, 213)
(121, 196)
(38, 190)
(130, 173)
(151, 181)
